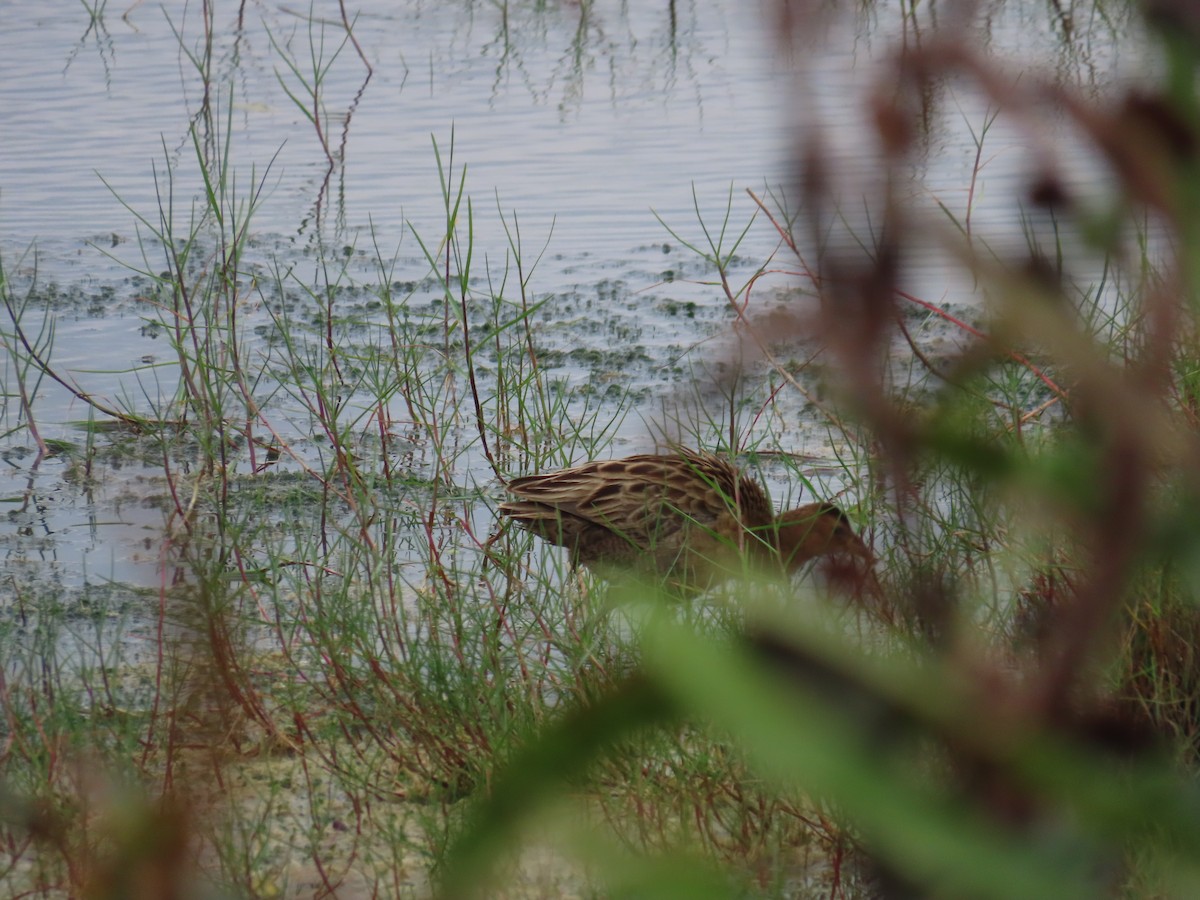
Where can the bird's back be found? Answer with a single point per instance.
(681, 510)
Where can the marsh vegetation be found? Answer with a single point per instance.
(344, 677)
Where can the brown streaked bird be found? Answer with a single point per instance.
(689, 517)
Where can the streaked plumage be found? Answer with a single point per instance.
(689, 517)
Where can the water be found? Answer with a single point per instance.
(584, 123)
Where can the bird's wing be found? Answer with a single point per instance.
(644, 498)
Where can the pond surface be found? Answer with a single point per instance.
(593, 127)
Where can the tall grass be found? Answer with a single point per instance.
(1028, 672)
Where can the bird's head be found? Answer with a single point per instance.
(818, 529)
(821, 531)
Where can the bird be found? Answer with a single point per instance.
(688, 517)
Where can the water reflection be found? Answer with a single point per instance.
(584, 127)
